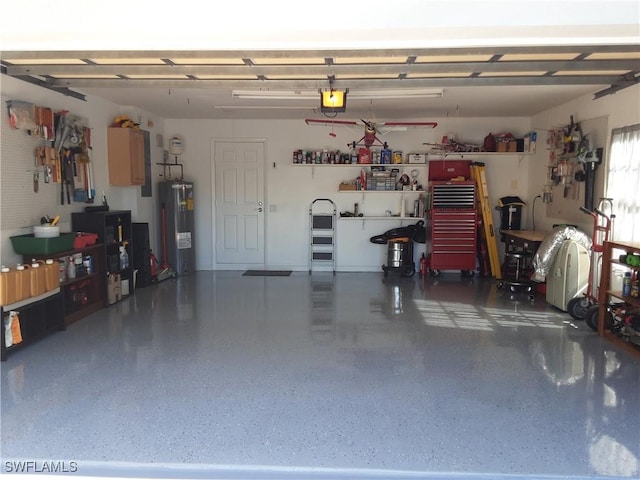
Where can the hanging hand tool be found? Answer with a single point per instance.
(38, 157)
(67, 177)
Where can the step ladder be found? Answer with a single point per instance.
(479, 176)
(322, 233)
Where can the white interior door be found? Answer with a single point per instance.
(239, 197)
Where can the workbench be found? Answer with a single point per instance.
(520, 247)
(528, 240)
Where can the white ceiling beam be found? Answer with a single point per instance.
(351, 84)
(416, 68)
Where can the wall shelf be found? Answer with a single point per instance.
(381, 191)
(39, 317)
(380, 217)
(605, 291)
(334, 164)
(443, 156)
(430, 156)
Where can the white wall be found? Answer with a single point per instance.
(289, 189)
(20, 207)
(622, 109)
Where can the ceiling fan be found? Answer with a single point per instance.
(371, 129)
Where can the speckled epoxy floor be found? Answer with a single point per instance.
(386, 376)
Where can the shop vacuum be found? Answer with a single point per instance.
(399, 243)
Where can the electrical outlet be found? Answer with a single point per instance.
(514, 184)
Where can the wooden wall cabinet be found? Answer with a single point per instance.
(125, 156)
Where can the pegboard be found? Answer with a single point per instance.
(20, 206)
(567, 199)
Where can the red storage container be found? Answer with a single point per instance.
(83, 239)
(445, 170)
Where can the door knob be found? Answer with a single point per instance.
(259, 209)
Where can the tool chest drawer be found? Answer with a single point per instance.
(453, 260)
(453, 195)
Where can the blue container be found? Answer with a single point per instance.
(385, 156)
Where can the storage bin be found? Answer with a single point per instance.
(29, 245)
(84, 240)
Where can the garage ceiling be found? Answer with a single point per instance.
(504, 81)
(499, 58)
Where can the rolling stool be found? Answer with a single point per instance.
(513, 272)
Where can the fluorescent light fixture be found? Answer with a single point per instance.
(262, 107)
(362, 94)
(398, 93)
(276, 94)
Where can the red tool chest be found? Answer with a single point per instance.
(452, 222)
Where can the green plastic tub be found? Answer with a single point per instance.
(29, 245)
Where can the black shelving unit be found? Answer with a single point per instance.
(114, 231)
(39, 316)
(82, 295)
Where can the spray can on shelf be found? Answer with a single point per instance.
(62, 269)
(635, 288)
(87, 262)
(626, 284)
(71, 268)
(124, 257)
(119, 229)
(385, 156)
(353, 154)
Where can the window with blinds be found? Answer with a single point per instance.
(623, 182)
